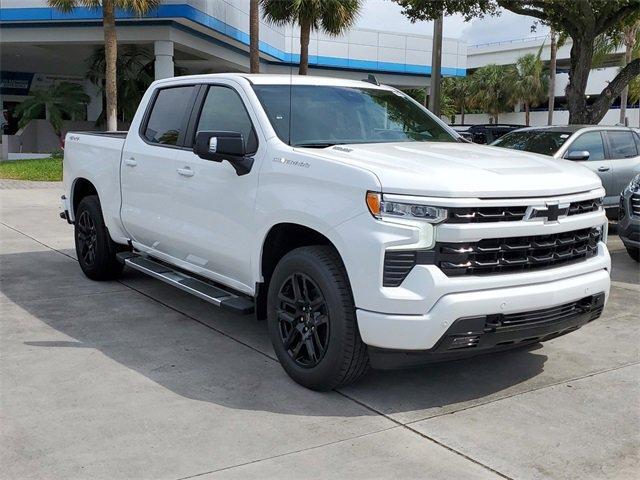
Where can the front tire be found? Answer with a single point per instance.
(95, 250)
(634, 252)
(312, 321)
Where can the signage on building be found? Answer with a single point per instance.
(15, 83)
(22, 83)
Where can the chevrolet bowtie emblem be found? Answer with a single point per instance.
(551, 212)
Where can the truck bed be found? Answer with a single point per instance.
(95, 157)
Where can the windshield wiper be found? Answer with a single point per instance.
(315, 144)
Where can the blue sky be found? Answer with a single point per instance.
(386, 15)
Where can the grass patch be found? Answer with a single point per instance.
(36, 169)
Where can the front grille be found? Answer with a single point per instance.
(498, 331)
(512, 214)
(517, 254)
(635, 204)
(547, 315)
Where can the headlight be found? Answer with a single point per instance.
(634, 184)
(380, 208)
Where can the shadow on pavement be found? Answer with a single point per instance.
(196, 362)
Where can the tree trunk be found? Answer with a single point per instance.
(526, 113)
(462, 116)
(111, 56)
(581, 53)
(625, 93)
(254, 36)
(552, 77)
(305, 33)
(612, 91)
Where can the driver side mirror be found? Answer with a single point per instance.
(219, 146)
(577, 155)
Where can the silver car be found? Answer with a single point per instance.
(611, 152)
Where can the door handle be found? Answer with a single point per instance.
(130, 161)
(185, 172)
(603, 169)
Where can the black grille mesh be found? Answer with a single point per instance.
(511, 255)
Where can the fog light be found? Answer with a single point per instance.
(466, 341)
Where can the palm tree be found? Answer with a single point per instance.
(254, 36)
(331, 16)
(140, 7)
(552, 76)
(63, 100)
(458, 89)
(135, 74)
(634, 93)
(491, 89)
(630, 39)
(530, 84)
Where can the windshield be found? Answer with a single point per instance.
(536, 141)
(321, 116)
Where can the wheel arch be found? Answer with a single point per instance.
(80, 189)
(280, 240)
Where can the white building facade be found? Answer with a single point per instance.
(40, 44)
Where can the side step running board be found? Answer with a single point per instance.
(182, 280)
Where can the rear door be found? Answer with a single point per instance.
(593, 142)
(149, 176)
(625, 161)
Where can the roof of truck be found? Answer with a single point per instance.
(271, 79)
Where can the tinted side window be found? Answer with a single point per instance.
(223, 110)
(622, 144)
(168, 114)
(592, 143)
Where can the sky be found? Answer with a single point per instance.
(386, 15)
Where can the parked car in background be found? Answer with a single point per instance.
(629, 221)
(484, 133)
(611, 152)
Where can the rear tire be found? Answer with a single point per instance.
(634, 252)
(313, 326)
(95, 250)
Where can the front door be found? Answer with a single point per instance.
(216, 204)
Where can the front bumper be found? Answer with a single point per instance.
(482, 334)
(423, 332)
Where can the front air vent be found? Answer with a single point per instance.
(397, 265)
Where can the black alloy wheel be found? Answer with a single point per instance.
(87, 238)
(303, 320)
(95, 250)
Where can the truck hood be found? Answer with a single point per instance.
(464, 170)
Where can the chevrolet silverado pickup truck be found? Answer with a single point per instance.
(361, 227)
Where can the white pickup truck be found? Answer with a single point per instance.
(362, 228)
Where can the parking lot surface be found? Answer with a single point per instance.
(136, 380)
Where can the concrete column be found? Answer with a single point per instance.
(163, 51)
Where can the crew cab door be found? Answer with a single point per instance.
(149, 176)
(593, 142)
(625, 160)
(217, 204)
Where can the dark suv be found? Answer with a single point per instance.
(629, 221)
(484, 133)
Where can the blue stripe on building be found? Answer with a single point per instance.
(187, 12)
